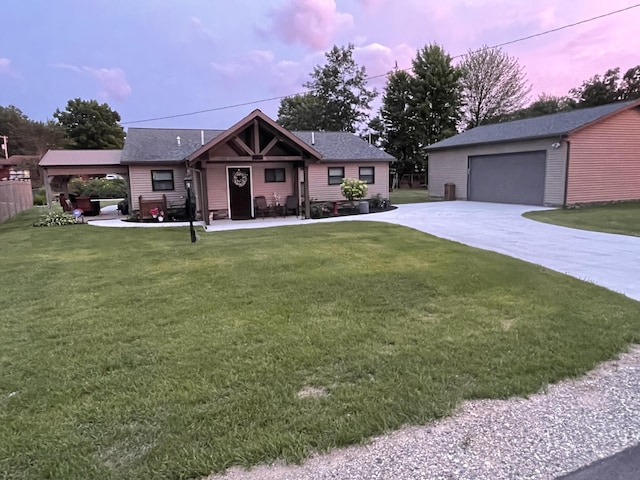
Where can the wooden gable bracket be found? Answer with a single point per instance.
(243, 146)
(256, 136)
(269, 146)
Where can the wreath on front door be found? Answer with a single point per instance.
(240, 179)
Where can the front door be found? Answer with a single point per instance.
(240, 192)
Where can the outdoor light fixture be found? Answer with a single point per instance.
(188, 183)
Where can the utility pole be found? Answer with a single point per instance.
(4, 146)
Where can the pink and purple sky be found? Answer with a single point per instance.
(153, 58)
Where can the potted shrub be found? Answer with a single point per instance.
(355, 189)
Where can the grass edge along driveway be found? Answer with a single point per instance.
(136, 354)
(621, 218)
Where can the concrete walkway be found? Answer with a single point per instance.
(608, 260)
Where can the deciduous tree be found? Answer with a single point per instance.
(90, 125)
(338, 97)
(598, 90)
(299, 112)
(630, 86)
(494, 85)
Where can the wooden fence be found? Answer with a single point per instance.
(15, 196)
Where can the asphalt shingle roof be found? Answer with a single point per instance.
(160, 145)
(538, 127)
(343, 146)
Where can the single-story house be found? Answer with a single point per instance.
(230, 168)
(583, 156)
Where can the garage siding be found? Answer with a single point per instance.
(605, 160)
(450, 166)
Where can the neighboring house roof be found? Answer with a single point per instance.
(343, 146)
(72, 158)
(15, 160)
(556, 124)
(157, 145)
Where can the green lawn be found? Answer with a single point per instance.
(409, 195)
(132, 353)
(621, 218)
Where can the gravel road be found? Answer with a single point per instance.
(570, 425)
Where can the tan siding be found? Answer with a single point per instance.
(604, 160)
(322, 191)
(450, 166)
(140, 180)
(217, 186)
(268, 189)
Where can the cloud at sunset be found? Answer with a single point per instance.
(112, 81)
(7, 69)
(244, 64)
(312, 23)
(204, 55)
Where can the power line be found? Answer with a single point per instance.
(510, 42)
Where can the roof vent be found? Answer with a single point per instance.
(313, 138)
(178, 140)
(202, 137)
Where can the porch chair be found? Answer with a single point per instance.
(260, 206)
(291, 205)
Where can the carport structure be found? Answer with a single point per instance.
(80, 163)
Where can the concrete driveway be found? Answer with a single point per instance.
(608, 260)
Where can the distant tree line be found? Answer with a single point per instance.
(435, 99)
(84, 124)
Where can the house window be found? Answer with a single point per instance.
(368, 174)
(274, 175)
(336, 174)
(162, 180)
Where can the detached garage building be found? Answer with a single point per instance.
(583, 156)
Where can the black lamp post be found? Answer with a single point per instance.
(188, 183)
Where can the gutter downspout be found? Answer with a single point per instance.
(307, 206)
(566, 172)
(199, 190)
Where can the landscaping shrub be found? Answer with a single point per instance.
(39, 197)
(98, 188)
(55, 219)
(378, 202)
(353, 189)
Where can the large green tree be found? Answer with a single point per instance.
(338, 97)
(30, 139)
(400, 135)
(629, 88)
(299, 112)
(543, 105)
(598, 90)
(15, 125)
(90, 125)
(493, 85)
(435, 96)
